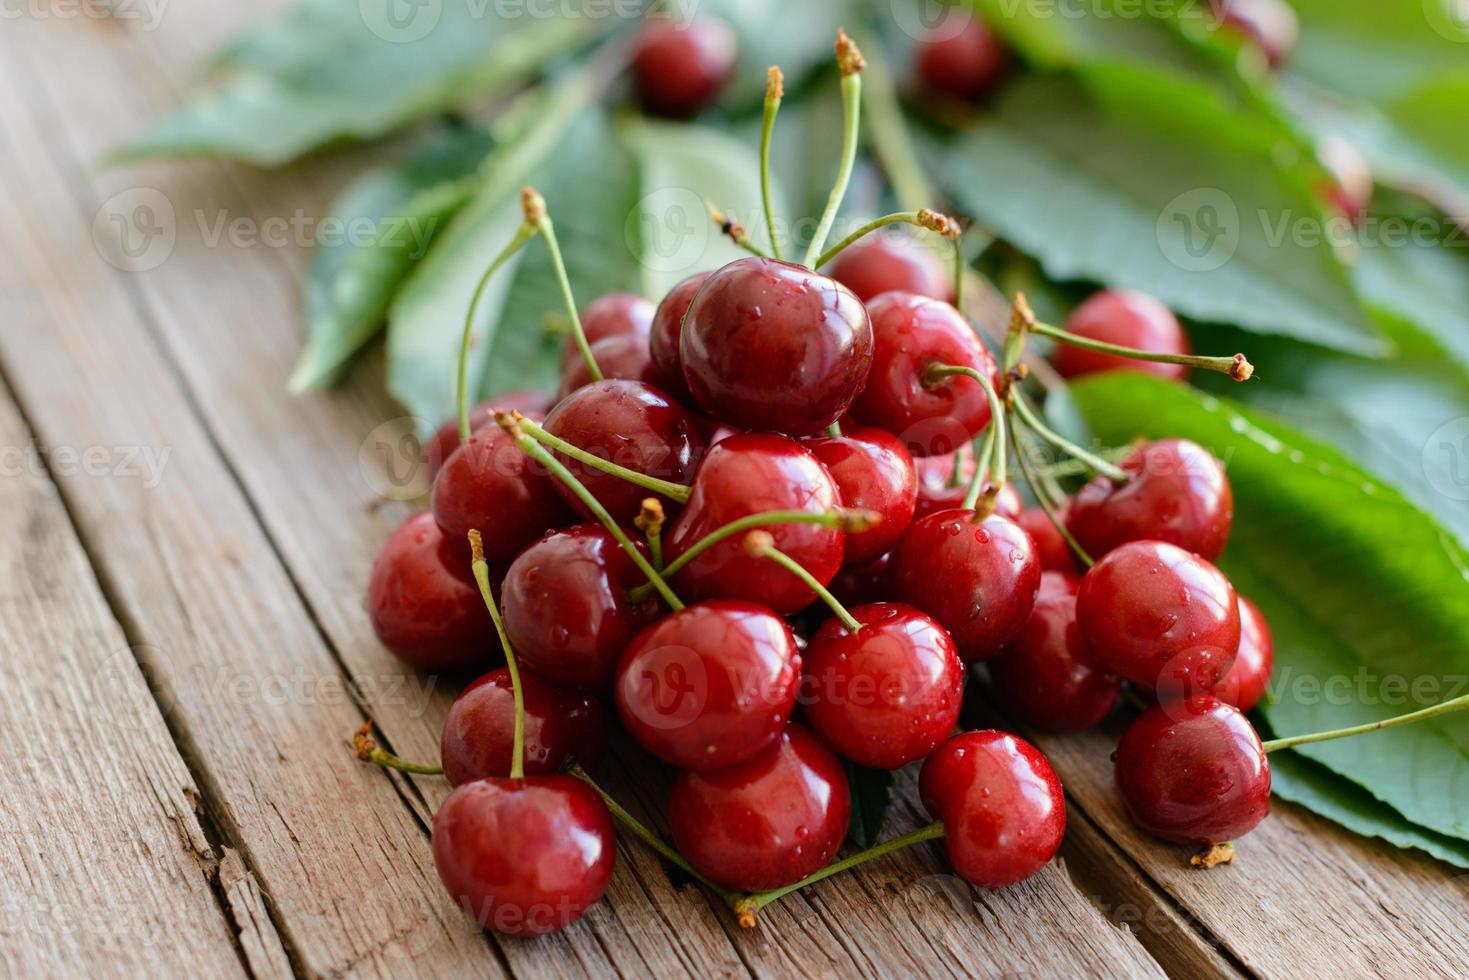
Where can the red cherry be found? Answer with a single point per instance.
(567, 610)
(1178, 493)
(663, 342)
(613, 315)
(424, 603)
(1056, 555)
(882, 263)
(856, 585)
(978, 578)
(937, 490)
(680, 68)
(1128, 319)
(1161, 617)
(964, 64)
(1349, 188)
(1001, 804)
(1045, 678)
(1270, 25)
(524, 857)
(489, 485)
(479, 731)
(887, 694)
(751, 474)
(710, 686)
(622, 356)
(1194, 772)
(1247, 680)
(774, 346)
(533, 404)
(910, 333)
(633, 425)
(769, 821)
(873, 471)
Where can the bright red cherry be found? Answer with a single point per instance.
(710, 686)
(977, 578)
(873, 471)
(567, 610)
(1128, 319)
(887, 694)
(1270, 25)
(633, 425)
(681, 67)
(424, 603)
(489, 485)
(525, 857)
(910, 333)
(533, 404)
(613, 315)
(1194, 772)
(479, 731)
(938, 491)
(1247, 680)
(1045, 679)
(885, 262)
(751, 474)
(1178, 493)
(1161, 617)
(963, 64)
(621, 356)
(1055, 553)
(663, 341)
(1001, 804)
(857, 585)
(773, 346)
(769, 821)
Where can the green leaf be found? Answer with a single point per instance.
(1367, 596)
(1134, 179)
(390, 217)
(872, 795)
(1375, 50)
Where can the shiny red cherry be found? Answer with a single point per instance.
(1194, 772)
(479, 731)
(489, 485)
(613, 315)
(1270, 25)
(524, 857)
(977, 578)
(679, 66)
(533, 404)
(1177, 493)
(633, 425)
(1247, 680)
(424, 603)
(769, 821)
(910, 333)
(710, 686)
(856, 585)
(567, 610)
(885, 262)
(1161, 617)
(873, 471)
(1001, 804)
(963, 63)
(621, 356)
(1128, 319)
(1045, 678)
(1056, 555)
(663, 342)
(751, 474)
(773, 346)
(937, 489)
(887, 694)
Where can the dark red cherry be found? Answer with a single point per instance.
(1178, 493)
(567, 609)
(710, 686)
(889, 261)
(961, 63)
(1055, 553)
(613, 315)
(1161, 617)
(1194, 772)
(479, 731)
(533, 404)
(1129, 319)
(910, 333)
(1247, 680)
(977, 578)
(679, 66)
(663, 342)
(1001, 804)
(524, 857)
(769, 821)
(622, 357)
(873, 471)
(937, 489)
(856, 585)
(1045, 679)
(1349, 187)
(633, 425)
(489, 485)
(1270, 25)
(751, 474)
(773, 346)
(424, 603)
(887, 694)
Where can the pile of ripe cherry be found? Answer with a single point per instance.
(767, 441)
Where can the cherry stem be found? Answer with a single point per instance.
(923, 218)
(761, 544)
(650, 521)
(1237, 366)
(849, 61)
(1093, 461)
(889, 133)
(746, 907)
(368, 751)
(535, 208)
(994, 464)
(958, 275)
(735, 231)
(525, 233)
(1043, 498)
(673, 491)
(1022, 319)
(538, 453)
(774, 92)
(1447, 707)
(481, 569)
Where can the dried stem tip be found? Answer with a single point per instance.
(1022, 317)
(362, 742)
(729, 226)
(476, 546)
(650, 519)
(775, 84)
(941, 223)
(857, 521)
(757, 543)
(1216, 855)
(533, 205)
(1241, 370)
(849, 59)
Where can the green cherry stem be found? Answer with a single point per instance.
(1092, 460)
(673, 491)
(734, 230)
(1237, 366)
(774, 92)
(525, 233)
(850, 64)
(761, 544)
(994, 465)
(481, 569)
(1043, 497)
(1447, 707)
(368, 751)
(925, 218)
(535, 212)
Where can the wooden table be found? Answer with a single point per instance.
(185, 657)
